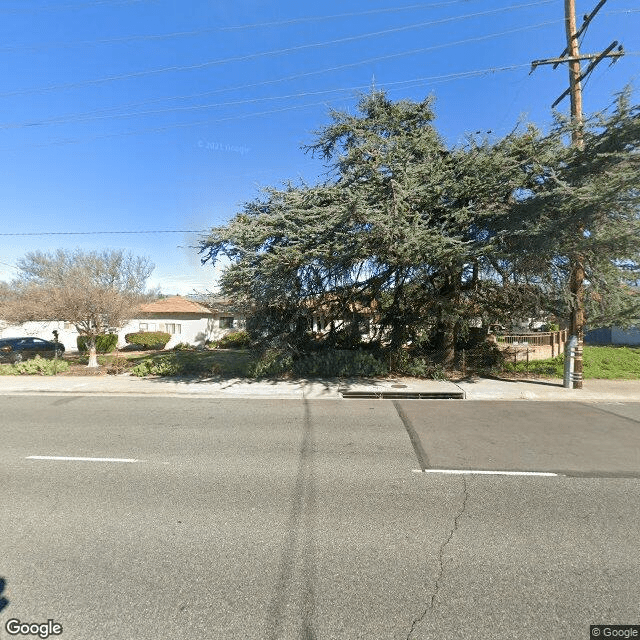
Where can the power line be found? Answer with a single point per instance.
(296, 76)
(251, 56)
(91, 233)
(354, 14)
(104, 41)
(336, 68)
(161, 129)
(197, 32)
(87, 116)
(405, 83)
(181, 125)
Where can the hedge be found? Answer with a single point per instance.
(339, 363)
(331, 363)
(235, 340)
(149, 339)
(105, 343)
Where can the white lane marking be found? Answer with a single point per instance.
(482, 472)
(76, 459)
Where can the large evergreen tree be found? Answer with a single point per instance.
(590, 213)
(429, 237)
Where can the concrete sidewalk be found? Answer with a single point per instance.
(477, 389)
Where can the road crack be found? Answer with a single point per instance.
(431, 599)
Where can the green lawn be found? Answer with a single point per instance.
(606, 362)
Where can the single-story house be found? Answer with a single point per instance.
(186, 321)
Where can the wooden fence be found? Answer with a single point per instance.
(532, 346)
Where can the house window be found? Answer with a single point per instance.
(147, 326)
(226, 322)
(173, 328)
(68, 326)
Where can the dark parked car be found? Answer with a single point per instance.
(18, 349)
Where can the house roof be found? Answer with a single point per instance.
(175, 304)
(222, 305)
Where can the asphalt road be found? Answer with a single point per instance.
(238, 519)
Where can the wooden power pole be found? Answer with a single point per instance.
(571, 55)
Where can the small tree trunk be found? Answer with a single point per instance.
(93, 357)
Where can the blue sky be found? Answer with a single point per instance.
(162, 115)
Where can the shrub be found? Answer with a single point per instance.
(235, 340)
(176, 364)
(105, 343)
(151, 367)
(272, 363)
(183, 346)
(338, 363)
(35, 366)
(485, 356)
(409, 364)
(118, 365)
(149, 339)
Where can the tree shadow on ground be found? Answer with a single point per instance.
(232, 381)
(551, 382)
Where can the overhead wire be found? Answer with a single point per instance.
(89, 116)
(352, 14)
(366, 61)
(197, 32)
(391, 85)
(105, 113)
(288, 78)
(251, 56)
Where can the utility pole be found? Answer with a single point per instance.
(572, 56)
(575, 85)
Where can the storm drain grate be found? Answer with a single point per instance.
(405, 395)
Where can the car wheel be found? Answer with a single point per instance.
(17, 357)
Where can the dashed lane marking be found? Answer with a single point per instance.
(484, 472)
(78, 459)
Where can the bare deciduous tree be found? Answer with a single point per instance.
(96, 291)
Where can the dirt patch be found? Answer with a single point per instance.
(78, 363)
(83, 370)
